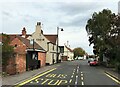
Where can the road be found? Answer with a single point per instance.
(76, 72)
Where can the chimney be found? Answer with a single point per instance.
(38, 27)
(24, 32)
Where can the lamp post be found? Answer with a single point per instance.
(58, 42)
(32, 43)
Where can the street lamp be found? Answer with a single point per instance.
(58, 41)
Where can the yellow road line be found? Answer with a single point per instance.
(24, 82)
(113, 78)
(111, 75)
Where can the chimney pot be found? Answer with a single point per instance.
(24, 32)
(38, 23)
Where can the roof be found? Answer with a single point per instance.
(12, 36)
(69, 49)
(51, 38)
(27, 43)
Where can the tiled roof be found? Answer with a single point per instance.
(51, 38)
(12, 36)
(27, 43)
(69, 49)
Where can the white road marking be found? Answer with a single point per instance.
(70, 81)
(72, 76)
(77, 71)
(81, 74)
(76, 80)
(77, 76)
(82, 83)
(81, 78)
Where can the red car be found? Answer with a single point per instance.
(93, 62)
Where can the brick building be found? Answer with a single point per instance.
(25, 56)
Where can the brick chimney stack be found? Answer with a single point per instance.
(24, 32)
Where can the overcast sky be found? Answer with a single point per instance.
(70, 15)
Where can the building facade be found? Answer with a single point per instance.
(48, 42)
(68, 54)
(25, 57)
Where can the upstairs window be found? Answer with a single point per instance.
(15, 45)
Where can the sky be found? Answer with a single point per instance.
(71, 15)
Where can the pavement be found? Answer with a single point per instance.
(14, 79)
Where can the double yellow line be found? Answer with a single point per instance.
(112, 77)
(26, 81)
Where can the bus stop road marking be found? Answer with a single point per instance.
(26, 81)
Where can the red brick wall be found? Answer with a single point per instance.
(20, 58)
(20, 49)
(42, 58)
(11, 66)
(64, 58)
(20, 63)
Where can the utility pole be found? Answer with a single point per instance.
(57, 58)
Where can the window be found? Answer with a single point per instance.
(15, 45)
(53, 47)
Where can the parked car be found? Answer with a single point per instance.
(93, 62)
(80, 58)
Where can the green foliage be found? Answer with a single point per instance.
(104, 32)
(78, 52)
(7, 50)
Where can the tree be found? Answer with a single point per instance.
(79, 52)
(98, 29)
(7, 50)
(104, 32)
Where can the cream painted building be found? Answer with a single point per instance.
(68, 52)
(47, 42)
